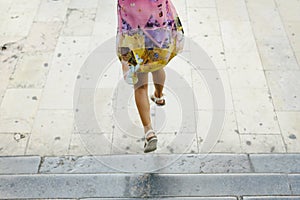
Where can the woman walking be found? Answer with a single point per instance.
(149, 35)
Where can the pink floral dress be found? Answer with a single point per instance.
(149, 33)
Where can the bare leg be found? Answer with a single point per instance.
(142, 101)
(159, 78)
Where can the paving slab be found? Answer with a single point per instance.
(13, 144)
(158, 163)
(290, 127)
(141, 185)
(294, 180)
(272, 198)
(283, 163)
(284, 89)
(19, 165)
(252, 143)
(166, 198)
(233, 184)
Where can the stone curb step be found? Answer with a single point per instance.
(156, 163)
(146, 185)
(198, 198)
(155, 176)
(215, 198)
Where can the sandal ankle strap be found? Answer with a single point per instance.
(149, 132)
(159, 98)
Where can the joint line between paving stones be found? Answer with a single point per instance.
(42, 160)
(227, 74)
(251, 164)
(286, 34)
(264, 71)
(290, 185)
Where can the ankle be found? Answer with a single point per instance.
(147, 128)
(158, 95)
(149, 136)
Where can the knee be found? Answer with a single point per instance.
(141, 88)
(158, 73)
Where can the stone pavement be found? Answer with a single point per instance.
(253, 44)
(251, 48)
(156, 176)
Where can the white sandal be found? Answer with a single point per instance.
(156, 99)
(151, 144)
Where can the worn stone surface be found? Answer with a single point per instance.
(262, 143)
(167, 198)
(290, 127)
(284, 89)
(253, 45)
(272, 198)
(176, 163)
(283, 163)
(143, 185)
(222, 184)
(13, 144)
(19, 165)
(294, 180)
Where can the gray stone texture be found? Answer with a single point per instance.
(166, 198)
(283, 163)
(294, 180)
(142, 185)
(175, 163)
(272, 198)
(19, 165)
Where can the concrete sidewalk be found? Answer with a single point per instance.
(254, 45)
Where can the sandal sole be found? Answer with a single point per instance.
(151, 146)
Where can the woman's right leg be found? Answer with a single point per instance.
(142, 100)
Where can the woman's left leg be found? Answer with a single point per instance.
(159, 78)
